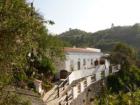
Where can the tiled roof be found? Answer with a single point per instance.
(69, 49)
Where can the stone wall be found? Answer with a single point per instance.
(88, 96)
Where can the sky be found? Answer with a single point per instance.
(88, 15)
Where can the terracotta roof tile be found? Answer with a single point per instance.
(68, 49)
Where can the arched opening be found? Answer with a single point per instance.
(72, 65)
(63, 74)
(79, 64)
(102, 61)
(96, 62)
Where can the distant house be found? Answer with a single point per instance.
(79, 59)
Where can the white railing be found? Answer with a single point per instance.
(100, 72)
(66, 99)
(78, 74)
(75, 75)
(114, 68)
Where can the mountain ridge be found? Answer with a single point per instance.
(104, 39)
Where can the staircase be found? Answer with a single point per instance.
(62, 94)
(58, 94)
(50, 96)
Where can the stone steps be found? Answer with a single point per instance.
(51, 94)
(53, 102)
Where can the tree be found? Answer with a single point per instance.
(16, 37)
(130, 98)
(129, 73)
(23, 33)
(123, 54)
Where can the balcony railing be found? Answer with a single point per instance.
(75, 75)
(114, 68)
(96, 74)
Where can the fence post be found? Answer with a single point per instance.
(58, 93)
(67, 99)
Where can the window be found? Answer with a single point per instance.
(102, 61)
(78, 64)
(84, 61)
(96, 62)
(91, 61)
(63, 74)
(71, 65)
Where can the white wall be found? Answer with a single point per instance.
(107, 64)
(75, 56)
(38, 86)
(88, 80)
(82, 86)
(75, 92)
(75, 75)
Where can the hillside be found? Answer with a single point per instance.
(75, 37)
(104, 39)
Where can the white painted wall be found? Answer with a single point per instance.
(82, 86)
(38, 86)
(76, 56)
(75, 75)
(107, 64)
(98, 76)
(72, 59)
(98, 72)
(75, 92)
(88, 80)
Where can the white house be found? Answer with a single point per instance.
(79, 59)
(82, 68)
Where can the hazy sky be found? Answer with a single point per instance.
(88, 15)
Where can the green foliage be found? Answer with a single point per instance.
(134, 75)
(130, 98)
(104, 39)
(22, 32)
(19, 78)
(47, 86)
(9, 97)
(75, 37)
(129, 75)
(16, 36)
(46, 66)
(123, 54)
(12, 99)
(54, 48)
(19, 75)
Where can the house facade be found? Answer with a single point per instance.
(79, 59)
